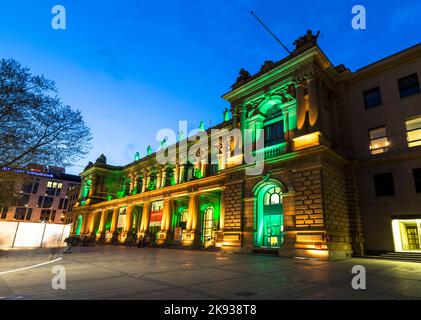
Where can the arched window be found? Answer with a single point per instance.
(208, 223)
(273, 197)
(269, 216)
(274, 127)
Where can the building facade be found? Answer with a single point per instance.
(307, 122)
(41, 194)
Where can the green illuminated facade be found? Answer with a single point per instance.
(299, 206)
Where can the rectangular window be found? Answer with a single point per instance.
(45, 216)
(417, 179)
(20, 214)
(384, 185)
(3, 212)
(409, 85)
(27, 186)
(23, 200)
(413, 132)
(53, 216)
(48, 203)
(40, 200)
(29, 215)
(36, 186)
(60, 205)
(378, 140)
(274, 134)
(372, 98)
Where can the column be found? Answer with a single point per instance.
(301, 108)
(145, 181)
(177, 173)
(92, 190)
(234, 118)
(313, 101)
(159, 179)
(129, 219)
(102, 222)
(145, 218)
(243, 120)
(190, 235)
(181, 174)
(114, 220)
(193, 219)
(222, 212)
(219, 235)
(164, 177)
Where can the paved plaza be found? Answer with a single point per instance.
(132, 273)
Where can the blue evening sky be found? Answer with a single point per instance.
(133, 66)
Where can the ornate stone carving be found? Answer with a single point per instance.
(244, 75)
(268, 65)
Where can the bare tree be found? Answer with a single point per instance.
(35, 126)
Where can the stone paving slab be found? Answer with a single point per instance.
(116, 273)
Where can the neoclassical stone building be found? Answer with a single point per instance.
(306, 203)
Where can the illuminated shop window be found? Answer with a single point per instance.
(413, 132)
(378, 141)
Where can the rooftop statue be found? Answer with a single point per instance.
(309, 37)
(244, 75)
(181, 136)
(202, 126)
(268, 65)
(164, 144)
(226, 115)
(137, 156)
(101, 160)
(149, 151)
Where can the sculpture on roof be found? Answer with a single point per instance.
(309, 37)
(268, 65)
(101, 160)
(226, 115)
(149, 151)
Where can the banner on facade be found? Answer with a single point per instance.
(156, 214)
(122, 219)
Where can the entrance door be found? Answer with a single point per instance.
(273, 231)
(208, 223)
(413, 238)
(407, 235)
(273, 219)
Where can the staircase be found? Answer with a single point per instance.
(403, 256)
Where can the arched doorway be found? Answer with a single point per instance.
(208, 223)
(269, 217)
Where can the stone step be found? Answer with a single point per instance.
(402, 256)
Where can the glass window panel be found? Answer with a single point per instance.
(377, 133)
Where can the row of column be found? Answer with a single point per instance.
(192, 232)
